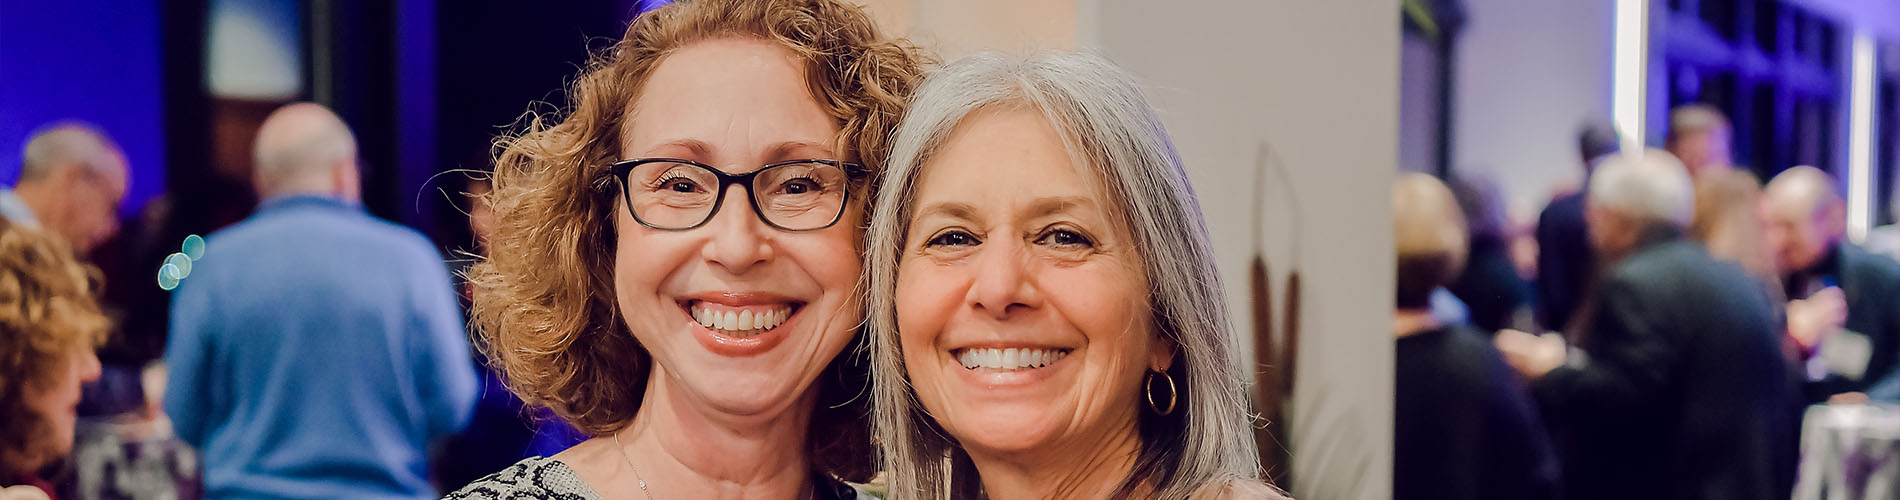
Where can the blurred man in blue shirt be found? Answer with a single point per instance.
(316, 351)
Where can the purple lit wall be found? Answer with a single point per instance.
(92, 60)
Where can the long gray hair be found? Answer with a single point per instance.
(1112, 132)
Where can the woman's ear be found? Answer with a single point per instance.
(1161, 355)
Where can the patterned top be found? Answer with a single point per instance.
(539, 478)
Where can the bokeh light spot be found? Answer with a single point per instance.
(167, 277)
(194, 247)
(180, 261)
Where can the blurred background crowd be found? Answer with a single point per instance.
(1700, 304)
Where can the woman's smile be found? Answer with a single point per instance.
(739, 324)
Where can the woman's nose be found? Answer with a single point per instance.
(738, 241)
(89, 366)
(1002, 284)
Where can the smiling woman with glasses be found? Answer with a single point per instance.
(675, 261)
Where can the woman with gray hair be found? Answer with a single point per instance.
(1046, 317)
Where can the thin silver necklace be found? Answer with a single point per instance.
(811, 493)
(630, 466)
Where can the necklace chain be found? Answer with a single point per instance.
(643, 482)
(630, 466)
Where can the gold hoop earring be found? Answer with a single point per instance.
(1148, 387)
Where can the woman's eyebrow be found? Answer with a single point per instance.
(951, 209)
(695, 148)
(1053, 205)
(800, 150)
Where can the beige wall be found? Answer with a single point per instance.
(958, 28)
(1315, 81)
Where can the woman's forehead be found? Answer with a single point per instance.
(728, 97)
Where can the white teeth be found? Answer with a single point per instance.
(1009, 359)
(739, 323)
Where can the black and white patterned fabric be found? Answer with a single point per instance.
(534, 478)
(541, 478)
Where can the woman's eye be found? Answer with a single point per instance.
(800, 186)
(678, 185)
(1064, 238)
(953, 238)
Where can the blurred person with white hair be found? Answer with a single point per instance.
(1676, 387)
(316, 351)
(72, 178)
(1465, 428)
(1845, 302)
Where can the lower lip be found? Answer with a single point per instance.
(994, 379)
(735, 347)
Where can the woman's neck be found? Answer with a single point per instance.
(682, 450)
(1083, 468)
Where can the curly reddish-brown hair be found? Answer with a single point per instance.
(48, 311)
(544, 308)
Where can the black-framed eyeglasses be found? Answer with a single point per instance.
(677, 195)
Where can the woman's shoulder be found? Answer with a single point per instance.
(23, 493)
(532, 478)
(1236, 488)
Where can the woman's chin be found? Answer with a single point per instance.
(1006, 432)
(756, 396)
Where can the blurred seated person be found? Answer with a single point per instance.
(316, 351)
(1565, 261)
(132, 455)
(1676, 388)
(72, 178)
(1848, 351)
(1489, 285)
(1701, 138)
(1465, 427)
(50, 324)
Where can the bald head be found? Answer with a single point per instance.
(1806, 217)
(1428, 230)
(72, 177)
(304, 148)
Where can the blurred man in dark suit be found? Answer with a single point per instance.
(1676, 388)
(1846, 353)
(1565, 261)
